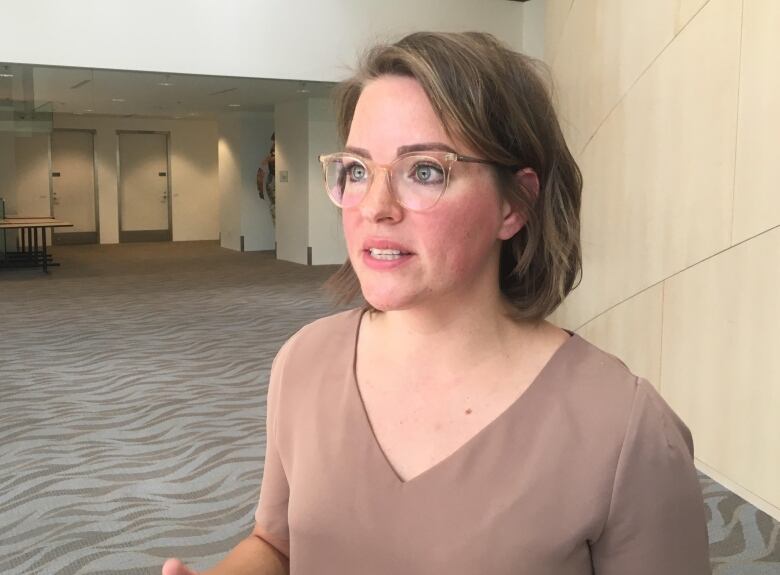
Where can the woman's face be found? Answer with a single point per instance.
(450, 252)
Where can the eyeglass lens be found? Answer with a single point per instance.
(418, 181)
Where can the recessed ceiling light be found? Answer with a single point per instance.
(165, 84)
(4, 75)
(89, 110)
(234, 105)
(117, 99)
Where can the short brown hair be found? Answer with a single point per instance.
(498, 102)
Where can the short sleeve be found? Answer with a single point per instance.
(656, 521)
(271, 514)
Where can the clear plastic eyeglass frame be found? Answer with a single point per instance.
(333, 168)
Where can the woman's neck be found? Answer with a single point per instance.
(435, 341)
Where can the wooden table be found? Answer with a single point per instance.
(28, 254)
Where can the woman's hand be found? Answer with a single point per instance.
(176, 567)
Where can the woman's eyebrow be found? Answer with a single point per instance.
(359, 151)
(425, 147)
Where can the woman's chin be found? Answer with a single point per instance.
(382, 305)
(387, 302)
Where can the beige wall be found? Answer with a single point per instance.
(670, 108)
(8, 184)
(194, 174)
(292, 197)
(305, 217)
(229, 153)
(256, 224)
(326, 235)
(8, 170)
(244, 142)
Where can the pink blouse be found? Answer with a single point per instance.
(588, 471)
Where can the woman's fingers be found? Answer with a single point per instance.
(176, 567)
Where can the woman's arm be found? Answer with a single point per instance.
(657, 521)
(253, 556)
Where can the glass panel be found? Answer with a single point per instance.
(21, 112)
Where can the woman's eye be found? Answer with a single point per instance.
(427, 173)
(356, 172)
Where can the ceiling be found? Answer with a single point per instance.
(144, 94)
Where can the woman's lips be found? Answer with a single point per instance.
(384, 244)
(380, 260)
(381, 253)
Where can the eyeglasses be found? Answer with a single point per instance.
(417, 180)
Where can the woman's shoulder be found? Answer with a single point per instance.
(326, 337)
(596, 370)
(610, 394)
(328, 327)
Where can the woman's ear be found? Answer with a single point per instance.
(513, 219)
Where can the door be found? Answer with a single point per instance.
(74, 197)
(33, 195)
(144, 201)
(32, 176)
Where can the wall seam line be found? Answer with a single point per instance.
(639, 77)
(736, 135)
(693, 265)
(561, 35)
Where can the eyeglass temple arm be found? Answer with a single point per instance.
(471, 160)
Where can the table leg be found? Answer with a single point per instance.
(45, 257)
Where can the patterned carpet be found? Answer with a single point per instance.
(132, 394)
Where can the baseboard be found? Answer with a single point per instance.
(745, 494)
(145, 236)
(74, 238)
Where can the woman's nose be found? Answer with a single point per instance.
(380, 203)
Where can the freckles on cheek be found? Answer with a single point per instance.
(465, 236)
(451, 243)
(349, 225)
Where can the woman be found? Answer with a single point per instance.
(447, 427)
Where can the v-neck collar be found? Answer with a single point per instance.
(525, 398)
